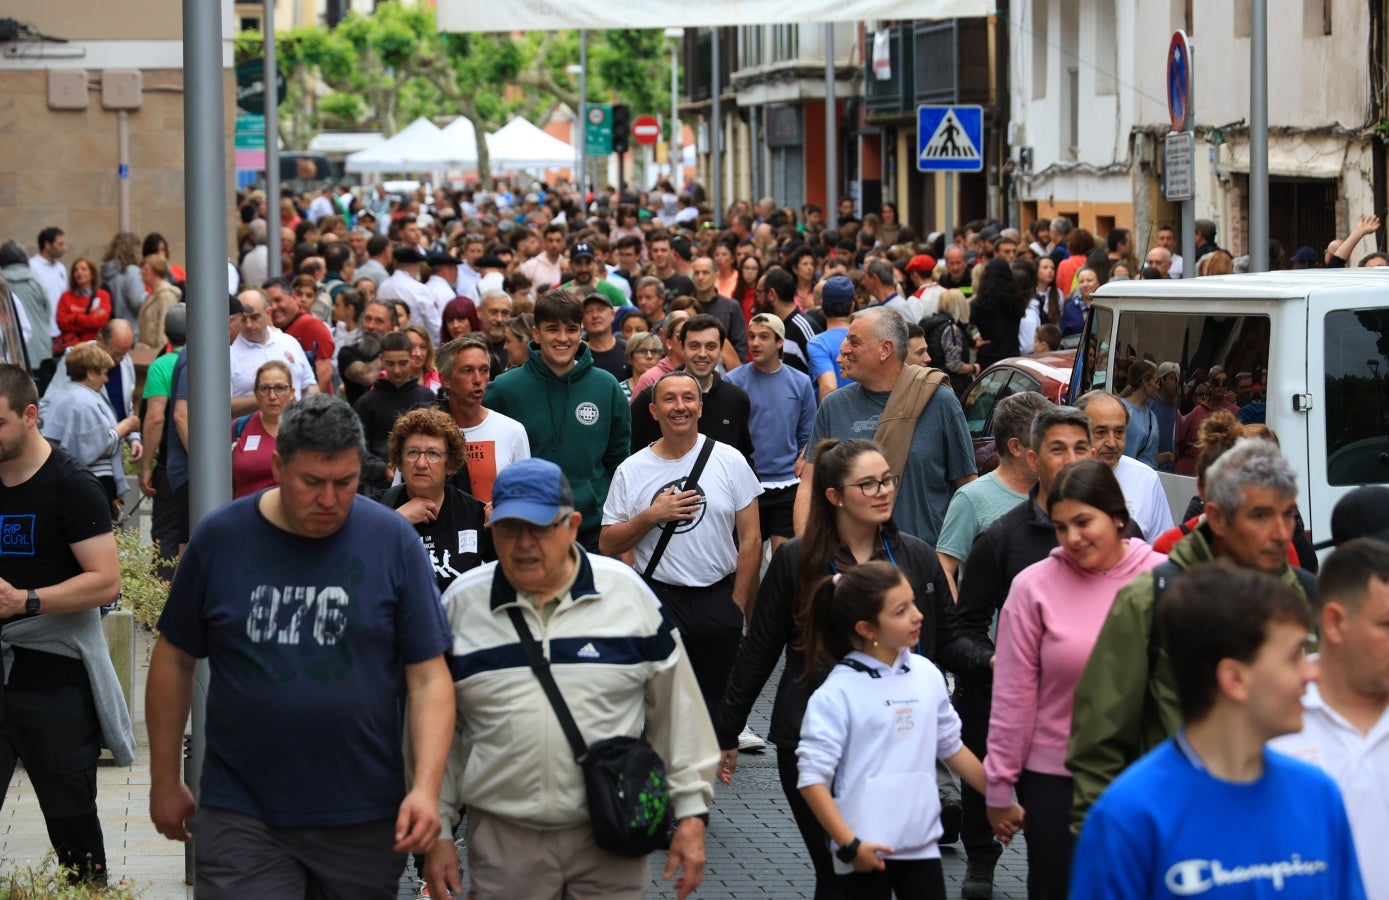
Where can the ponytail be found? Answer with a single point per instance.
(836, 607)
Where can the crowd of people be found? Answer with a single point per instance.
(676, 449)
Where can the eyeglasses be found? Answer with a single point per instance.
(268, 389)
(433, 457)
(649, 352)
(873, 487)
(510, 529)
(1218, 382)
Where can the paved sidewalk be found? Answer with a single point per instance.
(135, 852)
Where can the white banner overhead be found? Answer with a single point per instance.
(547, 15)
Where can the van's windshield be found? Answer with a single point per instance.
(1357, 396)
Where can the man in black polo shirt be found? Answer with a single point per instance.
(609, 351)
(727, 409)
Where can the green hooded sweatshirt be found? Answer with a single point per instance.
(579, 420)
(1122, 710)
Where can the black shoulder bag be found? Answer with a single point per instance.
(668, 530)
(624, 777)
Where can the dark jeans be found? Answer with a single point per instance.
(905, 879)
(973, 701)
(166, 522)
(711, 626)
(57, 735)
(828, 886)
(1047, 799)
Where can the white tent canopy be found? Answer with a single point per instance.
(420, 146)
(520, 145)
(487, 15)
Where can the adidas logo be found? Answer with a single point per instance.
(587, 651)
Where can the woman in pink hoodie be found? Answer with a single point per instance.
(1046, 630)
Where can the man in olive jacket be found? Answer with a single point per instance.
(1123, 705)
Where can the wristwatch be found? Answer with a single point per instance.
(847, 852)
(31, 606)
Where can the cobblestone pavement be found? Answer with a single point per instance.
(754, 849)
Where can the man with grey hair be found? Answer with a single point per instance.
(312, 649)
(1126, 701)
(1060, 229)
(1143, 492)
(923, 430)
(1160, 258)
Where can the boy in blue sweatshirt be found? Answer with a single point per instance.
(1212, 811)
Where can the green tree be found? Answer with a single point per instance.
(392, 66)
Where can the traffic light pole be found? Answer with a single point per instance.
(621, 179)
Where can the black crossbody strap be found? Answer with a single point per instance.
(668, 530)
(541, 667)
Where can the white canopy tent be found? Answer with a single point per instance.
(520, 145)
(486, 15)
(420, 146)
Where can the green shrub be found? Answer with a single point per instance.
(49, 880)
(143, 589)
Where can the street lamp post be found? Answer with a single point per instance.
(580, 130)
(677, 160)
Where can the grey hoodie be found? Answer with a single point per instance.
(29, 293)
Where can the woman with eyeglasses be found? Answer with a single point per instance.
(849, 523)
(426, 448)
(253, 435)
(644, 350)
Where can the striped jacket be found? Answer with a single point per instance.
(621, 668)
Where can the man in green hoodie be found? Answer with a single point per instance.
(1125, 705)
(574, 413)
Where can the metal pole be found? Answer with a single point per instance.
(272, 146)
(123, 170)
(581, 138)
(949, 209)
(1258, 136)
(831, 132)
(205, 226)
(716, 133)
(1189, 206)
(675, 150)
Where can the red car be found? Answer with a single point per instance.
(1047, 373)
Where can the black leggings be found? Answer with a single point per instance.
(1047, 799)
(973, 701)
(905, 879)
(828, 885)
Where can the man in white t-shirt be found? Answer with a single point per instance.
(1143, 493)
(1345, 712)
(426, 308)
(47, 266)
(258, 343)
(494, 441)
(706, 582)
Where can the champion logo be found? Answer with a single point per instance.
(587, 651)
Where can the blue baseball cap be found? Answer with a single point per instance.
(533, 490)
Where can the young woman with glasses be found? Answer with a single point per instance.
(253, 435)
(850, 523)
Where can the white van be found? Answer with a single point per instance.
(1317, 340)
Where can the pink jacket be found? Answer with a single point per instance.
(1046, 630)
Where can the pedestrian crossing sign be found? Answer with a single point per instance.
(949, 138)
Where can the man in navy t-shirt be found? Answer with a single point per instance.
(318, 613)
(1213, 810)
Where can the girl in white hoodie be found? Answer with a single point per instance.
(872, 733)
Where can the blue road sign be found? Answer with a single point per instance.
(949, 139)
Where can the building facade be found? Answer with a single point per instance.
(63, 133)
(1089, 96)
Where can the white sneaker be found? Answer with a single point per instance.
(748, 742)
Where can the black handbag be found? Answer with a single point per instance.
(624, 777)
(668, 530)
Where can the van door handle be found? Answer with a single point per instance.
(1302, 402)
